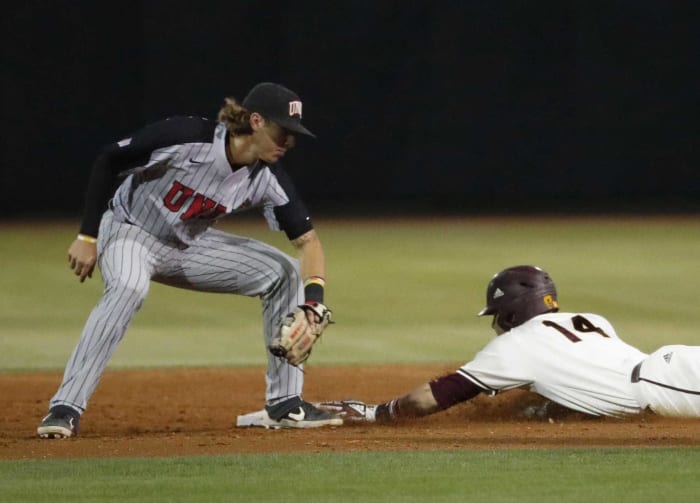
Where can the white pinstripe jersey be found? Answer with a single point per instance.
(576, 360)
(184, 183)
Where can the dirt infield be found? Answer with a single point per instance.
(193, 412)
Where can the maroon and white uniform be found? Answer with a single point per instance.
(578, 361)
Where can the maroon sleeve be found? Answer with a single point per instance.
(452, 389)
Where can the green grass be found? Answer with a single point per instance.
(645, 475)
(389, 283)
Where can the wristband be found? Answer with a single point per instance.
(387, 411)
(371, 413)
(317, 280)
(313, 289)
(87, 239)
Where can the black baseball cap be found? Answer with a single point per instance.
(277, 103)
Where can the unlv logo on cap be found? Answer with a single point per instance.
(295, 108)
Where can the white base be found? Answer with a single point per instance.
(257, 418)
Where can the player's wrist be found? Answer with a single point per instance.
(387, 412)
(314, 289)
(87, 239)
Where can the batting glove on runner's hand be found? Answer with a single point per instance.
(299, 331)
(350, 410)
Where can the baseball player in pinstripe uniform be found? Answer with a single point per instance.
(575, 360)
(178, 177)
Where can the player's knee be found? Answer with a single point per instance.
(284, 277)
(132, 292)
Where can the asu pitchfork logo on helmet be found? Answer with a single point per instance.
(519, 293)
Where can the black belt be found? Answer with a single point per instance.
(635, 378)
(635, 372)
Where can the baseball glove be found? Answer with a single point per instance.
(350, 410)
(298, 332)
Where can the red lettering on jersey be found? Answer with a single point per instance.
(200, 207)
(177, 196)
(203, 207)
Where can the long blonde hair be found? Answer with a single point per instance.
(235, 117)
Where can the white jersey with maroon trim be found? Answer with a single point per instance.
(576, 360)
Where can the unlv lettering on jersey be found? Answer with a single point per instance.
(199, 207)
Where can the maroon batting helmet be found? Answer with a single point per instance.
(519, 293)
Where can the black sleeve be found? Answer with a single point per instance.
(102, 184)
(131, 152)
(293, 217)
(452, 389)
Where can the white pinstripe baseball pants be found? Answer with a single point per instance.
(219, 262)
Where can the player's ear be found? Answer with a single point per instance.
(257, 121)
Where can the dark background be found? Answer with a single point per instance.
(433, 106)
